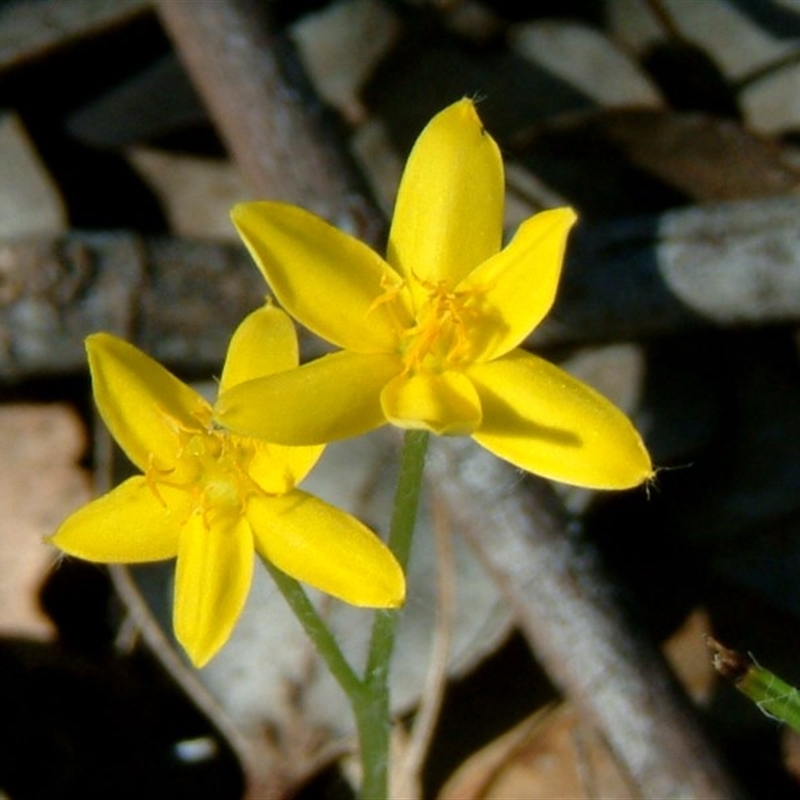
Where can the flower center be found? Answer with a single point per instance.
(212, 467)
(439, 339)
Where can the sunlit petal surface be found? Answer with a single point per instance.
(448, 216)
(212, 580)
(264, 343)
(331, 398)
(143, 404)
(322, 546)
(543, 420)
(129, 525)
(277, 468)
(515, 289)
(327, 280)
(444, 403)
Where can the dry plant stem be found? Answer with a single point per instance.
(55, 291)
(251, 753)
(731, 264)
(163, 649)
(567, 610)
(31, 31)
(373, 711)
(275, 131)
(664, 19)
(407, 779)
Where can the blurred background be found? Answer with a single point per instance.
(127, 131)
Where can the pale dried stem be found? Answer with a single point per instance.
(407, 778)
(719, 266)
(568, 611)
(276, 131)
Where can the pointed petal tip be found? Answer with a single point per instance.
(199, 658)
(240, 210)
(198, 651)
(466, 108)
(90, 340)
(101, 343)
(399, 599)
(644, 476)
(390, 596)
(568, 214)
(390, 593)
(627, 473)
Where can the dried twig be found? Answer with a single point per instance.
(408, 772)
(179, 301)
(567, 610)
(727, 265)
(29, 30)
(275, 130)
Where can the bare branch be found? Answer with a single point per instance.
(732, 264)
(727, 264)
(567, 610)
(275, 130)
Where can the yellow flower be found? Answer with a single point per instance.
(431, 335)
(210, 498)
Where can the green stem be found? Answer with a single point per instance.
(372, 709)
(774, 697)
(319, 633)
(369, 696)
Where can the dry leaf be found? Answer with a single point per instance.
(554, 754)
(703, 157)
(44, 441)
(30, 203)
(551, 755)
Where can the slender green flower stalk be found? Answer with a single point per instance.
(369, 695)
(374, 714)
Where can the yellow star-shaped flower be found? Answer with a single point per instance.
(211, 498)
(431, 335)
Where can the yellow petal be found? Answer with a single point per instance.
(544, 421)
(516, 288)
(331, 398)
(129, 525)
(142, 403)
(327, 280)
(445, 403)
(264, 343)
(277, 468)
(212, 581)
(327, 549)
(449, 212)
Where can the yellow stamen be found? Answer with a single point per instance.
(439, 339)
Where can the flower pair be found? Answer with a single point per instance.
(429, 338)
